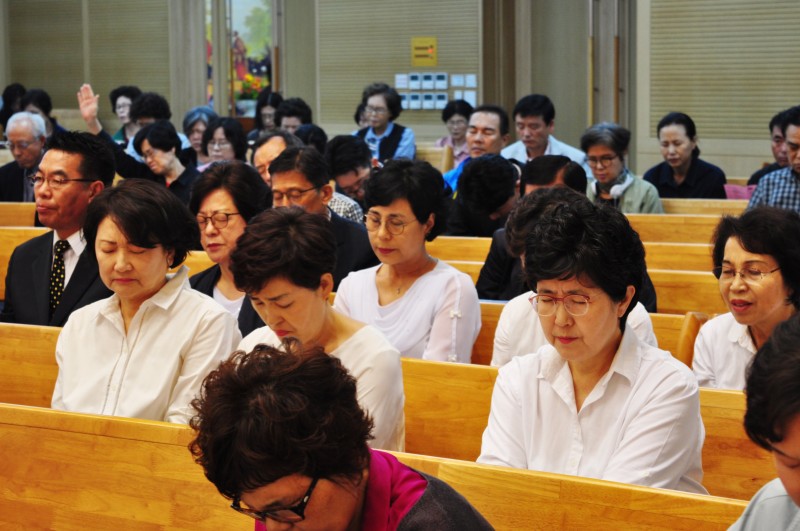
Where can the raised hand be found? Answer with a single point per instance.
(88, 104)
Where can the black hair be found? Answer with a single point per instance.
(293, 107)
(97, 159)
(487, 183)
(248, 190)
(359, 111)
(288, 138)
(535, 105)
(160, 135)
(307, 161)
(499, 111)
(584, 240)
(148, 214)
(613, 136)
(12, 94)
(346, 153)
(679, 118)
(778, 121)
(764, 230)
(792, 117)
(454, 107)
(417, 182)
(266, 98)
(129, 91)
(313, 136)
(40, 99)
(389, 94)
(529, 209)
(234, 133)
(150, 105)
(542, 171)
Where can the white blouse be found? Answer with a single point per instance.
(438, 318)
(155, 369)
(722, 350)
(375, 364)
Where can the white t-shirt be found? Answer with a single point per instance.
(519, 330)
(722, 350)
(438, 318)
(154, 370)
(375, 365)
(640, 424)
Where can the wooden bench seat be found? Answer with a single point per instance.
(717, 207)
(17, 214)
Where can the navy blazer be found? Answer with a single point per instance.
(353, 250)
(28, 285)
(205, 281)
(11, 182)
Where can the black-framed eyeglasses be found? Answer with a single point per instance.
(750, 275)
(394, 226)
(545, 305)
(56, 182)
(295, 513)
(601, 162)
(292, 195)
(218, 219)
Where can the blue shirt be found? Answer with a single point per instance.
(405, 150)
(451, 177)
(780, 188)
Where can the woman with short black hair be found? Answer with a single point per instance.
(386, 139)
(159, 145)
(224, 139)
(455, 116)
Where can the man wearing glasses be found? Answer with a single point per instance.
(25, 136)
(52, 275)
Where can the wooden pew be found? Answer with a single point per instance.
(468, 248)
(67, 469)
(17, 214)
(28, 366)
(717, 207)
(687, 291)
(10, 238)
(680, 256)
(440, 158)
(484, 344)
(674, 227)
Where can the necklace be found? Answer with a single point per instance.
(414, 275)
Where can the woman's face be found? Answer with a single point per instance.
(220, 242)
(293, 311)
(676, 146)
(383, 221)
(268, 118)
(761, 304)
(457, 127)
(122, 109)
(606, 165)
(36, 110)
(196, 135)
(377, 112)
(220, 148)
(134, 273)
(589, 339)
(159, 161)
(331, 506)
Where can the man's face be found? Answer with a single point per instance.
(483, 134)
(793, 146)
(290, 124)
(24, 145)
(352, 182)
(63, 207)
(779, 147)
(292, 188)
(264, 156)
(534, 133)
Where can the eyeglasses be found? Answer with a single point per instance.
(601, 162)
(545, 305)
(295, 513)
(356, 186)
(394, 226)
(219, 144)
(749, 275)
(19, 145)
(376, 110)
(218, 219)
(57, 182)
(291, 195)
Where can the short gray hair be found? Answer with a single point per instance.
(37, 123)
(608, 134)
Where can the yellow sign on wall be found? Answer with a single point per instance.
(424, 51)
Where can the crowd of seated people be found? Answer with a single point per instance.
(582, 389)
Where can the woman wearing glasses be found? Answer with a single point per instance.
(755, 259)
(597, 401)
(159, 145)
(425, 307)
(225, 197)
(456, 118)
(224, 139)
(386, 139)
(310, 467)
(606, 146)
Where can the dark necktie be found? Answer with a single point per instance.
(57, 274)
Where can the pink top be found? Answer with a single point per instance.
(459, 155)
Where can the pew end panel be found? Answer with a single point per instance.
(28, 364)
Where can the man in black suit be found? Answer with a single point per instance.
(301, 177)
(74, 169)
(25, 137)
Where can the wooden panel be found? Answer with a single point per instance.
(10, 237)
(687, 291)
(28, 363)
(677, 228)
(484, 345)
(17, 214)
(459, 248)
(440, 158)
(686, 256)
(716, 207)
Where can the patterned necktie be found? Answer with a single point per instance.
(57, 274)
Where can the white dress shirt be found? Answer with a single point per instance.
(155, 369)
(77, 244)
(722, 350)
(438, 318)
(375, 364)
(640, 424)
(519, 152)
(519, 330)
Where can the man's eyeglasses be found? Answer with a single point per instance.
(19, 145)
(749, 275)
(545, 305)
(295, 513)
(218, 219)
(601, 162)
(291, 195)
(56, 182)
(394, 226)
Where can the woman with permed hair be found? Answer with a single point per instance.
(144, 351)
(386, 139)
(596, 401)
(424, 306)
(282, 435)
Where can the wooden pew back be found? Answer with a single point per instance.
(17, 214)
(716, 207)
(10, 238)
(687, 291)
(440, 158)
(28, 368)
(679, 228)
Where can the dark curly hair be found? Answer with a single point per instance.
(271, 413)
(248, 190)
(487, 182)
(285, 242)
(580, 239)
(530, 208)
(417, 182)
